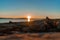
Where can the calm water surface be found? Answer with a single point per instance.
(13, 20)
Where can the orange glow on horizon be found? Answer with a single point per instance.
(30, 16)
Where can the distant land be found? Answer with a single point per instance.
(20, 18)
(31, 18)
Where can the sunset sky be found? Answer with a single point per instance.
(34, 8)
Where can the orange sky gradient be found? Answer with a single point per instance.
(29, 15)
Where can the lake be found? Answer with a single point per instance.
(13, 20)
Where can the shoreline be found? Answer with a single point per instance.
(36, 26)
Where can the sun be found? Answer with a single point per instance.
(28, 17)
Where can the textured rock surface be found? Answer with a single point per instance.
(32, 36)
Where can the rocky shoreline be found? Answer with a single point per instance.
(37, 26)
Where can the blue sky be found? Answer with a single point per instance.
(21, 8)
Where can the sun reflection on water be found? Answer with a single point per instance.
(29, 17)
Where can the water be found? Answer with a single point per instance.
(13, 20)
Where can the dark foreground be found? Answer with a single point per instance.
(37, 26)
(47, 29)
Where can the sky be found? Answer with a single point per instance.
(34, 8)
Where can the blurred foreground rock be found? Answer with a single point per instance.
(32, 36)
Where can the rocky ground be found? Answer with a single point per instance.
(30, 30)
(32, 36)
